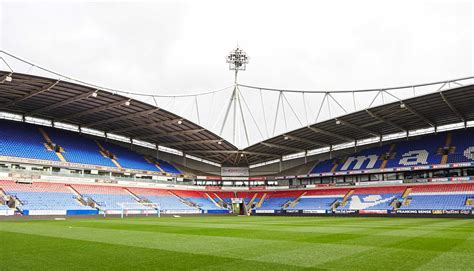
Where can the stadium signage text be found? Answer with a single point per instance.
(235, 171)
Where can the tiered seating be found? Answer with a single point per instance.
(379, 151)
(225, 196)
(373, 198)
(23, 140)
(323, 166)
(167, 202)
(167, 167)
(431, 144)
(461, 141)
(319, 199)
(129, 159)
(107, 197)
(79, 149)
(199, 198)
(405, 153)
(247, 196)
(44, 196)
(440, 197)
(276, 200)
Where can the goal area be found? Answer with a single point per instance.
(145, 208)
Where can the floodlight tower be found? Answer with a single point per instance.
(237, 60)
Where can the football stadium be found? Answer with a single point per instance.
(245, 177)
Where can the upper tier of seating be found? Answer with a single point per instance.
(18, 139)
(129, 159)
(167, 167)
(462, 141)
(23, 140)
(79, 149)
(458, 146)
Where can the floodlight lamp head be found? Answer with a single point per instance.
(237, 59)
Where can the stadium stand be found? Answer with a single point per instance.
(373, 198)
(323, 199)
(226, 197)
(44, 198)
(167, 201)
(352, 162)
(127, 158)
(248, 197)
(323, 166)
(107, 198)
(200, 199)
(461, 141)
(440, 197)
(276, 200)
(79, 149)
(167, 167)
(56, 198)
(23, 140)
(428, 150)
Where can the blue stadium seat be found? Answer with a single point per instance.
(315, 203)
(23, 140)
(129, 159)
(79, 149)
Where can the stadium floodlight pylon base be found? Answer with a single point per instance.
(139, 208)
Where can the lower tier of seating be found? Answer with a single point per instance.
(316, 203)
(57, 198)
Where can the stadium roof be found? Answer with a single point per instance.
(430, 110)
(77, 104)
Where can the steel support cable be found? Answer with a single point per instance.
(252, 116)
(359, 90)
(106, 88)
(291, 107)
(264, 113)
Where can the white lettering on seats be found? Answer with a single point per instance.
(413, 158)
(469, 153)
(357, 203)
(360, 160)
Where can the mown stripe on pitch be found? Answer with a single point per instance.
(40, 253)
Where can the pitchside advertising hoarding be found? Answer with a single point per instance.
(234, 171)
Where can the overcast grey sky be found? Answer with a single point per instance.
(168, 47)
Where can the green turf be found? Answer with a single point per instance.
(238, 243)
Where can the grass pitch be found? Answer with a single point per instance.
(238, 243)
